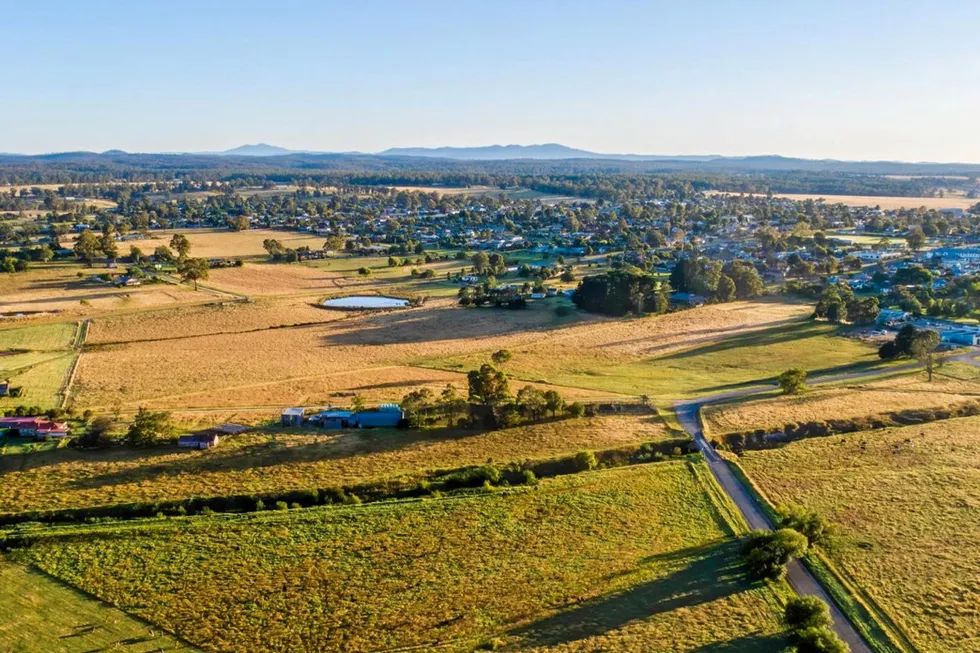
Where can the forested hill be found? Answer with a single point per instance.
(597, 178)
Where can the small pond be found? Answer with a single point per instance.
(365, 301)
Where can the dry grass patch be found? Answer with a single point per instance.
(840, 402)
(254, 463)
(220, 243)
(907, 504)
(885, 202)
(192, 321)
(247, 362)
(55, 288)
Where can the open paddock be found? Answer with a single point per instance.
(55, 289)
(631, 559)
(886, 203)
(243, 366)
(219, 243)
(271, 461)
(906, 505)
(845, 401)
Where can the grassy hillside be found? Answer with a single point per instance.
(906, 502)
(634, 559)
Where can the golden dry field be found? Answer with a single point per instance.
(245, 464)
(306, 365)
(906, 503)
(55, 289)
(220, 243)
(839, 402)
(886, 203)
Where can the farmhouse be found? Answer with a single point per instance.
(37, 427)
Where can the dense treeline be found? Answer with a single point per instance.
(595, 178)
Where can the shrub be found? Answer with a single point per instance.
(792, 381)
(804, 612)
(585, 461)
(281, 505)
(530, 478)
(811, 525)
(818, 640)
(576, 409)
(259, 505)
(768, 552)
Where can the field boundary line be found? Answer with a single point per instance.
(868, 614)
(78, 341)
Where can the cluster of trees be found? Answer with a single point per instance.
(488, 293)
(491, 400)
(621, 291)
(915, 343)
(147, 428)
(809, 623)
(713, 280)
(768, 552)
(838, 304)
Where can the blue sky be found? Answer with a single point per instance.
(849, 80)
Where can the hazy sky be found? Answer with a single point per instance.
(849, 80)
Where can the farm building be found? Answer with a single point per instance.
(292, 417)
(333, 418)
(202, 440)
(385, 415)
(36, 427)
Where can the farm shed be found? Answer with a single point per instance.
(204, 440)
(292, 417)
(335, 419)
(385, 415)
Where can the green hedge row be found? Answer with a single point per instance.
(439, 481)
(768, 439)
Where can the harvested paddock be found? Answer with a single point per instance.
(906, 503)
(262, 462)
(247, 362)
(221, 243)
(192, 321)
(839, 402)
(633, 559)
(56, 288)
(885, 202)
(241, 369)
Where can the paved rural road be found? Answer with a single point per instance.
(799, 577)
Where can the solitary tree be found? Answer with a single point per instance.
(923, 349)
(807, 612)
(554, 402)
(149, 428)
(915, 238)
(792, 381)
(181, 245)
(87, 247)
(809, 523)
(488, 387)
(768, 552)
(193, 269)
(501, 356)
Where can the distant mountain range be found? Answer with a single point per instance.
(547, 158)
(546, 151)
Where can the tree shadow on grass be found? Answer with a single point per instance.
(700, 575)
(747, 644)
